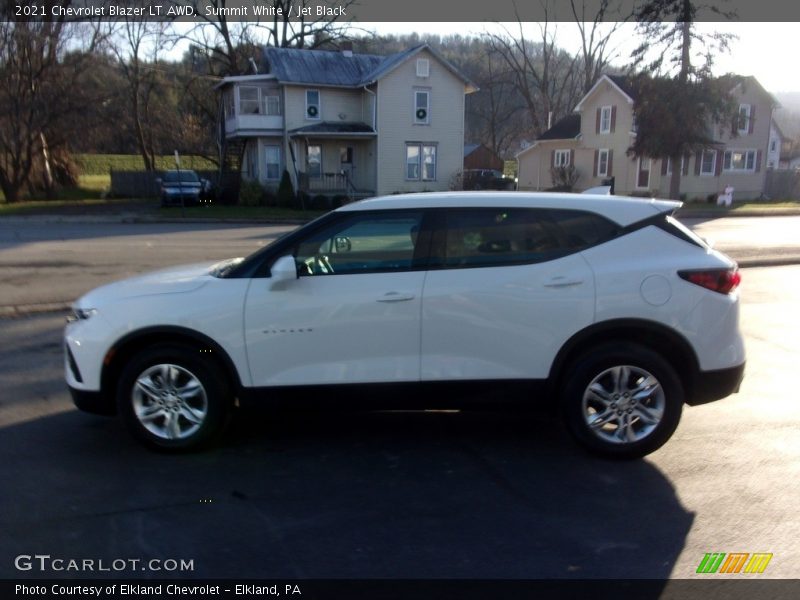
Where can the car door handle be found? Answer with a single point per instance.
(396, 297)
(562, 282)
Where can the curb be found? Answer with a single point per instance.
(25, 310)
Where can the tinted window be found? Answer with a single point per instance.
(582, 229)
(484, 237)
(361, 243)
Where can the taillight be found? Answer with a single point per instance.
(723, 281)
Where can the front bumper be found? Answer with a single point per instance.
(715, 385)
(93, 402)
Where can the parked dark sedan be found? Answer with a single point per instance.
(486, 179)
(183, 185)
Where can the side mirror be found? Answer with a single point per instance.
(283, 270)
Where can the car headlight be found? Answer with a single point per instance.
(81, 314)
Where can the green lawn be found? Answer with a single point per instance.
(101, 164)
(771, 205)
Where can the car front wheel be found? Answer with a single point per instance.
(622, 400)
(173, 398)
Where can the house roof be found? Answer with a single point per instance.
(329, 127)
(328, 68)
(470, 148)
(622, 85)
(567, 128)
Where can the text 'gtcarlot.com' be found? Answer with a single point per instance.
(45, 562)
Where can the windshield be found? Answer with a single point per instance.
(185, 177)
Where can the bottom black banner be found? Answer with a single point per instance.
(404, 589)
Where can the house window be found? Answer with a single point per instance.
(561, 158)
(744, 118)
(708, 162)
(423, 67)
(314, 161)
(312, 105)
(420, 162)
(634, 124)
(602, 163)
(271, 105)
(669, 165)
(739, 160)
(258, 101)
(773, 145)
(273, 155)
(248, 100)
(605, 119)
(421, 107)
(643, 177)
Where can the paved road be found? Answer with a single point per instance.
(57, 262)
(408, 494)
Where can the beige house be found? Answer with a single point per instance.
(596, 137)
(343, 123)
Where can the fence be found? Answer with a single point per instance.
(142, 184)
(782, 185)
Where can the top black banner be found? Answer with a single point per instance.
(380, 10)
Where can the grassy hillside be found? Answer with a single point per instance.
(101, 164)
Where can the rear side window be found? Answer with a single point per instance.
(583, 229)
(508, 236)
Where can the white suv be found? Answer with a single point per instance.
(603, 308)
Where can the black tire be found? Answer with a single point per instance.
(155, 417)
(625, 425)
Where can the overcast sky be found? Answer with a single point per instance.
(768, 51)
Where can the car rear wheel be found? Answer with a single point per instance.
(173, 398)
(622, 400)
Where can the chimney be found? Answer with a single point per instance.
(347, 49)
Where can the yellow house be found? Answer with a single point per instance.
(595, 139)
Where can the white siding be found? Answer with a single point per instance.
(396, 125)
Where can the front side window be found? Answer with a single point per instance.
(605, 119)
(709, 162)
(739, 160)
(314, 161)
(312, 105)
(271, 105)
(362, 243)
(273, 155)
(507, 236)
(561, 158)
(421, 162)
(422, 107)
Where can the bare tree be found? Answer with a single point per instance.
(544, 74)
(41, 67)
(140, 43)
(597, 50)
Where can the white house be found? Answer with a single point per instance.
(346, 123)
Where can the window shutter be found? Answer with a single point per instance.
(664, 166)
(698, 161)
(751, 119)
(596, 160)
(572, 157)
(686, 164)
(718, 165)
(613, 118)
(758, 161)
(610, 156)
(597, 122)
(552, 159)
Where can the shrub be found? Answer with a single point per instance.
(286, 195)
(251, 193)
(320, 202)
(340, 200)
(564, 178)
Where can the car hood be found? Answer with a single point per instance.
(174, 280)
